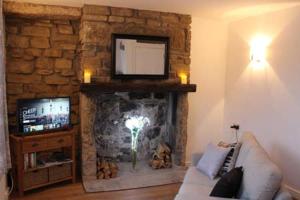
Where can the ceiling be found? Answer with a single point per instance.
(219, 9)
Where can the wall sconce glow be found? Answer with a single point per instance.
(87, 76)
(258, 48)
(183, 78)
(135, 124)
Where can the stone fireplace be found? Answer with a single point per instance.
(104, 132)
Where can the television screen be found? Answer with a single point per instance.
(37, 115)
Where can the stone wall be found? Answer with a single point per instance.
(99, 22)
(40, 62)
(47, 53)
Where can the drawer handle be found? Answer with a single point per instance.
(35, 144)
(35, 171)
(60, 140)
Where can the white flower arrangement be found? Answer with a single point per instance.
(135, 124)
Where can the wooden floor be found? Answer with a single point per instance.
(76, 192)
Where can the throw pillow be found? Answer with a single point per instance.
(229, 184)
(212, 160)
(231, 158)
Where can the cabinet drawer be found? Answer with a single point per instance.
(60, 172)
(61, 141)
(34, 145)
(35, 178)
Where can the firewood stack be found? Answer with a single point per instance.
(161, 157)
(106, 169)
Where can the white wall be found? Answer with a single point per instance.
(267, 101)
(206, 106)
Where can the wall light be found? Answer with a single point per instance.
(258, 48)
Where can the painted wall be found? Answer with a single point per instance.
(267, 101)
(206, 106)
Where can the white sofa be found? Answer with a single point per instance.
(261, 179)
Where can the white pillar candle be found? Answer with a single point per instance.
(87, 76)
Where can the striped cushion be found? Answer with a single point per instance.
(231, 158)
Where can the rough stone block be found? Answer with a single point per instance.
(33, 52)
(15, 52)
(126, 12)
(41, 11)
(36, 31)
(66, 72)
(55, 53)
(153, 23)
(94, 17)
(64, 46)
(186, 19)
(44, 63)
(56, 79)
(61, 21)
(69, 54)
(149, 14)
(44, 71)
(17, 41)
(95, 32)
(40, 88)
(170, 18)
(11, 29)
(116, 19)
(95, 10)
(135, 20)
(14, 88)
(65, 29)
(22, 78)
(178, 39)
(40, 42)
(19, 66)
(62, 63)
(71, 39)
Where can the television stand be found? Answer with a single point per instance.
(28, 170)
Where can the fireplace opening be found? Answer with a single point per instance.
(113, 139)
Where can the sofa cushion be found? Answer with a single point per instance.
(262, 178)
(194, 176)
(212, 160)
(248, 142)
(229, 184)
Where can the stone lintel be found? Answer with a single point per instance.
(30, 10)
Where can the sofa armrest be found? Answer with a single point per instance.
(283, 195)
(195, 158)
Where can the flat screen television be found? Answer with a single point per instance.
(43, 115)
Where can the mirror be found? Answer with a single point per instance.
(136, 56)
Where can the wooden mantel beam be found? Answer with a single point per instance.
(136, 87)
(30, 10)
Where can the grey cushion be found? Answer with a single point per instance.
(212, 160)
(262, 178)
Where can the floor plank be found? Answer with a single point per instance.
(76, 192)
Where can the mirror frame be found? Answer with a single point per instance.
(164, 40)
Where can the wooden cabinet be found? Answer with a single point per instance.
(42, 175)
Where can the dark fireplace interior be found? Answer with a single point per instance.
(113, 138)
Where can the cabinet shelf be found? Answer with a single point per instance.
(51, 172)
(47, 165)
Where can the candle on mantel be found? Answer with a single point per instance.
(183, 78)
(87, 76)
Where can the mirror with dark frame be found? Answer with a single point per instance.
(140, 57)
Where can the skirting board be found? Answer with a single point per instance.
(294, 192)
(3, 188)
